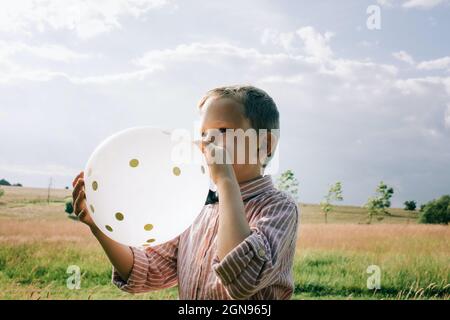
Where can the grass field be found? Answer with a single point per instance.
(38, 243)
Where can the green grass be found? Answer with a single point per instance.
(341, 275)
(38, 271)
(38, 243)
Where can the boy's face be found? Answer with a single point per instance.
(220, 114)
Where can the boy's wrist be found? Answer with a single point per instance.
(95, 230)
(225, 182)
(226, 178)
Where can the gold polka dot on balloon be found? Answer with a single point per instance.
(95, 185)
(134, 163)
(151, 240)
(148, 227)
(176, 171)
(109, 228)
(119, 216)
(92, 208)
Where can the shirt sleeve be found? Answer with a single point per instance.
(265, 254)
(154, 268)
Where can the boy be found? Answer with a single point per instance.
(239, 247)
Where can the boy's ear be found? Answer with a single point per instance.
(267, 146)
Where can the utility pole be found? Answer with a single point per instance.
(48, 190)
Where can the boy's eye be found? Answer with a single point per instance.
(221, 130)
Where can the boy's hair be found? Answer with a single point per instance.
(259, 107)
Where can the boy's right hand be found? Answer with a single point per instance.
(79, 201)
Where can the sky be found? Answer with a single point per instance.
(363, 87)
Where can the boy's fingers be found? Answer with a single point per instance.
(80, 175)
(74, 182)
(79, 185)
(78, 201)
(202, 144)
(209, 149)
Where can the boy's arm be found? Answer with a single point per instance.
(251, 256)
(153, 268)
(265, 254)
(233, 224)
(136, 270)
(120, 256)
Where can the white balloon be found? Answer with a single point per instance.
(136, 194)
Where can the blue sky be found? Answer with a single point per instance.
(357, 105)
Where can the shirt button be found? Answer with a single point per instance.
(261, 253)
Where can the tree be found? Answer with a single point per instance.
(288, 183)
(69, 205)
(377, 205)
(410, 205)
(334, 194)
(436, 211)
(4, 182)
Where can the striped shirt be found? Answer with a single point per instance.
(260, 267)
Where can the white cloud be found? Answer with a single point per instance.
(16, 74)
(422, 3)
(208, 53)
(315, 43)
(447, 117)
(84, 17)
(385, 3)
(421, 86)
(437, 64)
(45, 51)
(284, 39)
(306, 40)
(404, 56)
(117, 77)
(13, 71)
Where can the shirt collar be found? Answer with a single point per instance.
(252, 188)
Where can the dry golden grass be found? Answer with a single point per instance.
(38, 242)
(381, 238)
(14, 231)
(16, 194)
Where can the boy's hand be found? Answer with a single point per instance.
(79, 201)
(216, 158)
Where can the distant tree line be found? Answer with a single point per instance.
(435, 211)
(4, 182)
